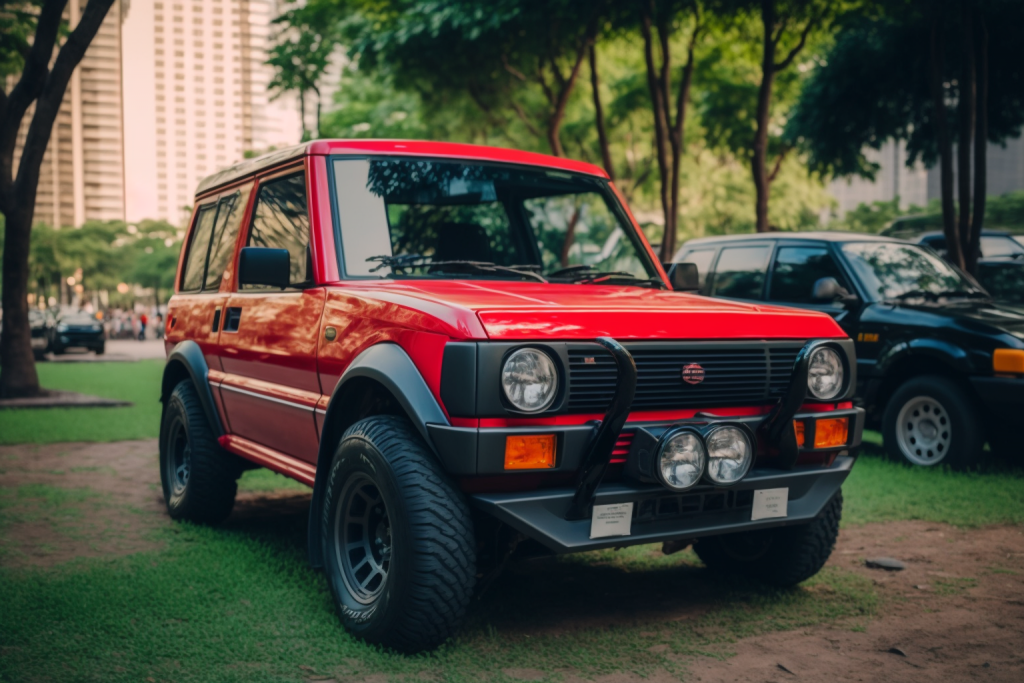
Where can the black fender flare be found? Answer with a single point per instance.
(388, 364)
(950, 354)
(188, 356)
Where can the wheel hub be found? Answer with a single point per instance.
(923, 431)
(363, 539)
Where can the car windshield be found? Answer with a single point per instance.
(1004, 281)
(904, 271)
(992, 246)
(79, 319)
(414, 218)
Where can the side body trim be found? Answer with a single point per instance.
(269, 458)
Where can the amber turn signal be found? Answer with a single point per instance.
(831, 432)
(530, 452)
(1008, 360)
(798, 427)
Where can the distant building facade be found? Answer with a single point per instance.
(198, 98)
(83, 174)
(918, 185)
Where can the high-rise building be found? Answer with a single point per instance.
(82, 175)
(197, 98)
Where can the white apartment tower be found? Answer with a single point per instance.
(196, 98)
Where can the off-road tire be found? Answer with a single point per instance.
(781, 557)
(208, 492)
(432, 563)
(966, 436)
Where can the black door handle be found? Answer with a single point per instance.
(232, 319)
(216, 319)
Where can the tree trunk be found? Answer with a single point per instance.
(602, 134)
(661, 124)
(764, 98)
(302, 115)
(668, 246)
(44, 85)
(966, 113)
(936, 61)
(980, 147)
(17, 364)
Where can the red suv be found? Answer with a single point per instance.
(472, 354)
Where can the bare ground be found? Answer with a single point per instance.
(956, 613)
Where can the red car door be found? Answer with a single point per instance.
(268, 338)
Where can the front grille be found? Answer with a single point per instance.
(744, 375)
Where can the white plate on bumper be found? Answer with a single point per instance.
(769, 503)
(611, 520)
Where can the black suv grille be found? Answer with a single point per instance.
(744, 375)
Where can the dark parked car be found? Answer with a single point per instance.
(940, 366)
(80, 330)
(1000, 266)
(42, 326)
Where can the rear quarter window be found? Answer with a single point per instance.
(198, 248)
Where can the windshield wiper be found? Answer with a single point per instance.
(944, 294)
(404, 262)
(585, 274)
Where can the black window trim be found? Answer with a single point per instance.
(280, 174)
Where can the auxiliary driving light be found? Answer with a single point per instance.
(681, 460)
(729, 454)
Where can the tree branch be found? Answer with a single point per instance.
(800, 45)
(525, 119)
(778, 164)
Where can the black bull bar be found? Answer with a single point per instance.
(775, 430)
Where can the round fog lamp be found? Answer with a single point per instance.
(681, 460)
(529, 380)
(729, 455)
(825, 373)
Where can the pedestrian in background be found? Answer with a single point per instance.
(143, 319)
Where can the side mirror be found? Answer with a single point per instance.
(829, 289)
(264, 266)
(683, 277)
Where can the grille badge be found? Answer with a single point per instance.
(693, 373)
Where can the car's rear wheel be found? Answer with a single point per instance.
(928, 422)
(199, 478)
(397, 538)
(783, 556)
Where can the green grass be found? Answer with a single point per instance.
(879, 490)
(239, 604)
(136, 382)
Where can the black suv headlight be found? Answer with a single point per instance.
(529, 379)
(825, 373)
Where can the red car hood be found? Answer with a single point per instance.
(526, 310)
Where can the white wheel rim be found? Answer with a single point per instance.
(924, 431)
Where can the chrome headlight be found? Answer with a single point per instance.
(729, 454)
(681, 460)
(825, 373)
(530, 380)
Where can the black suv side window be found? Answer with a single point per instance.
(281, 221)
(796, 271)
(198, 249)
(740, 272)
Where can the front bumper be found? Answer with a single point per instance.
(661, 515)
(1003, 396)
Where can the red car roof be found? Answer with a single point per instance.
(416, 148)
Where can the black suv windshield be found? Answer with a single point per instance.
(439, 219)
(902, 271)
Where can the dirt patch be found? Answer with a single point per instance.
(59, 502)
(956, 613)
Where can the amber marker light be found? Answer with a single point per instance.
(1008, 360)
(798, 427)
(530, 452)
(831, 432)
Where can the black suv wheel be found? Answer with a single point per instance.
(199, 478)
(929, 421)
(397, 538)
(783, 556)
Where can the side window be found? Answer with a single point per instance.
(740, 272)
(198, 248)
(281, 221)
(796, 271)
(225, 234)
(702, 259)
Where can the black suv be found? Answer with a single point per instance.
(940, 366)
(1000, 266)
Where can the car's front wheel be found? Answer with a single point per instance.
(929, 421)
(397, 538)
(783, 556)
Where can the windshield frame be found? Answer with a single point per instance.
(872, 295)
(601, 185)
